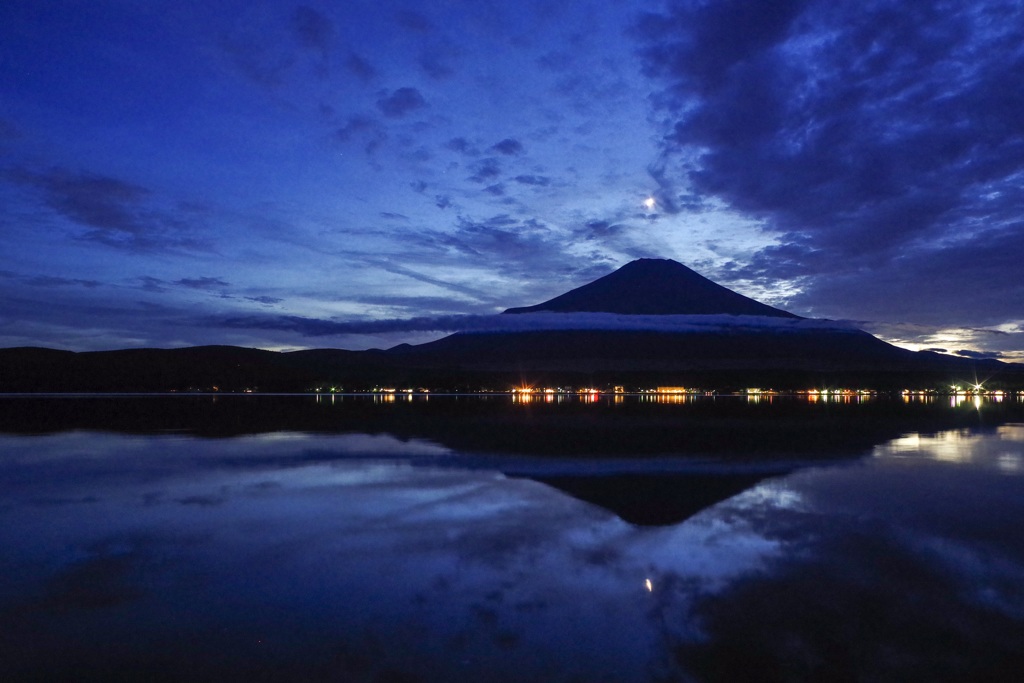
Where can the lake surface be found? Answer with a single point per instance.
(480, 539)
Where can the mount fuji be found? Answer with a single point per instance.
(657, 319)
(654, 287)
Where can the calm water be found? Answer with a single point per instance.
(286, 538)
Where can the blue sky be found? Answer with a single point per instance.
(255, 173)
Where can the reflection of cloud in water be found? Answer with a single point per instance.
(774, 494)
(985, 577)
(722, 542)
(999, 450)
(899, 567)
(321, 549)
(946, 446)
(707, 551)
(1011, 432)
(1011, 463)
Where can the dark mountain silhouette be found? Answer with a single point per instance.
(745, 344)
(767, 346)
(654, 287)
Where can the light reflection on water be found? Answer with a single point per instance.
(291, 556)
(999, 450)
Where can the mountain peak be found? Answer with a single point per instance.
(654, 287)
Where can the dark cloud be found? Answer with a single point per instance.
(442, 201)
(556, 61)
(600, 229)
(263, 61)
(498, 190)
(401, 102)
(327, 112)
(365, 129)
(114, 212)
(700, 43)
(201, 282)
(357, 125)
(858, 133)
(485, 170)
(389, 266)
(421, 303)
(975, 277)
(462, 146)
(313, 29)
(499, 234)
(393, 216)
(419, 154)
(265, 46)
(98, 201)
(508, 147)
(540, 180)
(437, 64)
(514, 248)
(360, 67)
(314, 327)
(152, 284)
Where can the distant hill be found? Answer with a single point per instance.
(651, 323)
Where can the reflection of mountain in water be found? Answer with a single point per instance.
(744, 442)
(654, 499)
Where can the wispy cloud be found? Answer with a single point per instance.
(49, 281)
(201, 282)
(265, 300)
(365, 129)
(530, 322)
(401, 102)
(102, 202)
(114, 212)
(485, 170)
(508, 147)
(529, 179)
(313, 29)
